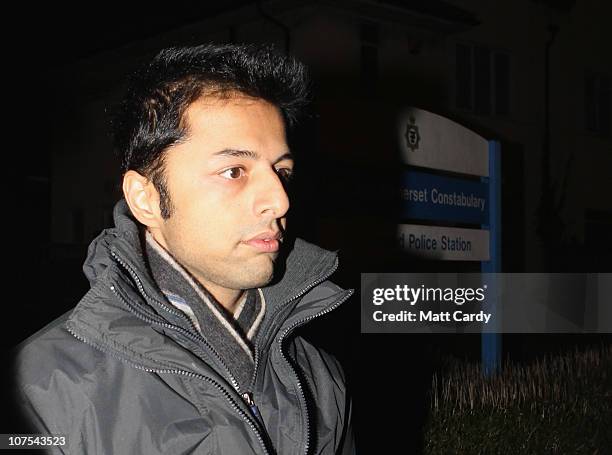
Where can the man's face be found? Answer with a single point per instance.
(226, 185)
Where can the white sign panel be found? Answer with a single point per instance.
(444, 243)
(430, 140)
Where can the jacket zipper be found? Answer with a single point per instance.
(301, 293)
(289, 330)
(248, 398)
(210, 380)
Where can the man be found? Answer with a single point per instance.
(186, 341)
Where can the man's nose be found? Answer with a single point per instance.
(271, 197)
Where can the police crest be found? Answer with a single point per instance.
(412, 135)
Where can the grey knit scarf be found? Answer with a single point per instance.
(230, 335)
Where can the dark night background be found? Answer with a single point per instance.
(480, 63)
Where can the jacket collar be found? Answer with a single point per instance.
(299, 264)
(298, 292)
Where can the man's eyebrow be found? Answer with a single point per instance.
(250, 154)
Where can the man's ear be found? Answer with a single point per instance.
(143, 199)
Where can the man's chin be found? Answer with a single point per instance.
(257, 276)
(264, 278)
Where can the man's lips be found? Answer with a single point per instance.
(266, 242)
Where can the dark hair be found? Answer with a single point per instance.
(149, 120)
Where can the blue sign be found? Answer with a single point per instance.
(433, 197)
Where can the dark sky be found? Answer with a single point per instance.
(61, 34)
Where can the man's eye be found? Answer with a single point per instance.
(233, 173)
(285, 173)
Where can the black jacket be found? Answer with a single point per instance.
(122, 373)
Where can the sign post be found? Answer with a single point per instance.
(491, 342)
